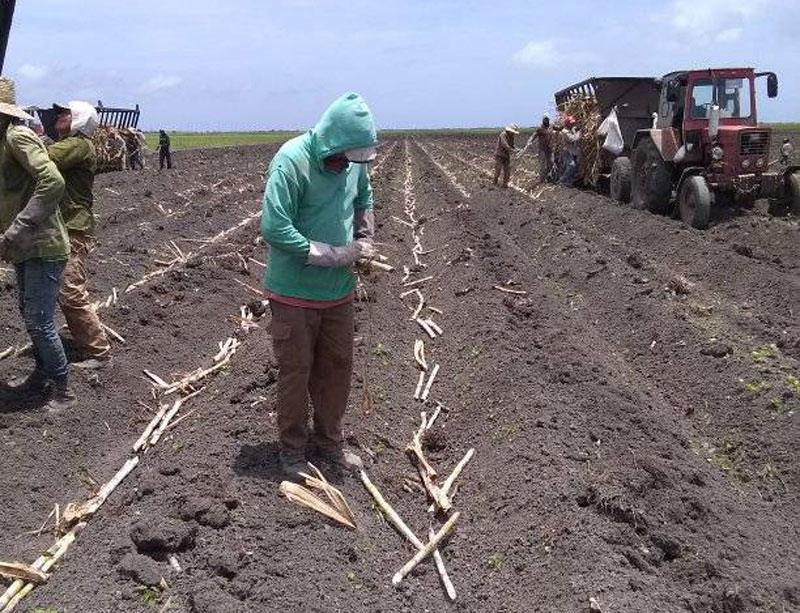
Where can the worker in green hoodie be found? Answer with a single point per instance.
(318, 221)
(33, 237)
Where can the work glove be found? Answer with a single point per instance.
(328, 256)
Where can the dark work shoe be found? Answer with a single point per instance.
(95, 363)
(34, 383)
(341, 457)
(63, 398)
(293, 463)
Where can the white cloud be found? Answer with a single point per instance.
(711, 20)
(159, 83)
(538, 54)
(33, 72)
(728, 36)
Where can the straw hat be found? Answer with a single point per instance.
(8, 100)
(513, 128)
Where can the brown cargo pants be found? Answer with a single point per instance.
(504, 166)
(314, 349)
(82, 320)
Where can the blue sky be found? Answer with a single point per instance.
(272, 64)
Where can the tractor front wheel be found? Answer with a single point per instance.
(620, 186)
(652, 179)
(694, 202)
(790, 202)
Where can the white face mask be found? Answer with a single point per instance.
(84, 118)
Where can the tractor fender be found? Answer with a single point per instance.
(666, 140)
(690, 171)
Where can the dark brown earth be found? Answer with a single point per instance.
(633, 414)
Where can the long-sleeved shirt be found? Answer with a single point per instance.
(572, 139)
(75, 159)
(163, 142)
(30, 189)
(505, 145)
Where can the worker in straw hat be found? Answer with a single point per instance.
(502, 153)
(35, 240)
(74, 155)
(318, 221)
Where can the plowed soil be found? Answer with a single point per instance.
(632, 405)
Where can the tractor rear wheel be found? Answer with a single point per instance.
(694, 202)
(621, 170)
(652, 179)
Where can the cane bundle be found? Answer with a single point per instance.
(115, 146)
(585, 110)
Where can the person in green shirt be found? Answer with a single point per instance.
(317, 220)
(34, 239)
(74, 156)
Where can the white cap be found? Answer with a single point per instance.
(364, 154)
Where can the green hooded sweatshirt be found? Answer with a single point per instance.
(304, 202)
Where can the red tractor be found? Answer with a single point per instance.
(704, 144)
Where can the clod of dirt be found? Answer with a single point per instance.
(256, 307)
(143, 570)
(716, 349)
(742, 249)
(680, 285)
(464, 291)
(163, 535)
(206, 512)
(435, 440)
(210, 598)
(523, 307)
(634, 260)
(224, 563)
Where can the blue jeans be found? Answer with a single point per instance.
(38, 285)
(570, 169)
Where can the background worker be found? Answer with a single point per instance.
(544, 138)
(163, 150)
(75, 157)
(502, 153)
(317, 220)
(35, 240)
(572, 138)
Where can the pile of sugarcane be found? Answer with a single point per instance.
(584, 110)
(115, 146)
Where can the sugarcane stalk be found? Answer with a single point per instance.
(427, 550)
(428, 330)
(154, 438)
(428, 386)
(508, 290)
(396, 521)
(419, 354)
(434, 326)
(451, 479)
(14, 593)
(77, 512)
(420, 383)
(439, 561)
(417, 281)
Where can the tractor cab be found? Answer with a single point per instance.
(712, 117)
